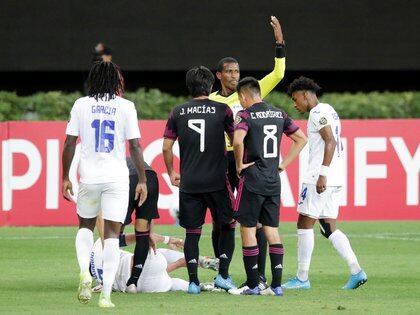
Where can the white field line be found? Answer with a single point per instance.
(379, 236)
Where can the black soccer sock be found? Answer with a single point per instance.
(215, 238)
(191, 253)
(123, 243)
(250, 255)
(140, 255)
(227, 246)
(262, 247)
(276, 257)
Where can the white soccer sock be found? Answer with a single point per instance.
(342, 244)
(111, 258)
(84, 244)
(304, 252)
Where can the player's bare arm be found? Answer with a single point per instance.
(238, 149)
(136, 154)
(299, 141)
(67, 158)
(330, 144)
(278, 34)
(168, 157)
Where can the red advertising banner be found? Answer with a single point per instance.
(382, 178)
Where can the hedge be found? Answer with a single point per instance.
(154, 104)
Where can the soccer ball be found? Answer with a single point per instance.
(174, 209)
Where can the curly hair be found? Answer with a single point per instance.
(303, 84)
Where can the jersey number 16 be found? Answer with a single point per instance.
(104, 140)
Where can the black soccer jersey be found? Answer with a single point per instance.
(264, 125)
(199, 126)
(132, 168)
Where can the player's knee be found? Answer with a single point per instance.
(325, 228)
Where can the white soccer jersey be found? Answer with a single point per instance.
(103, 126)
(320, 116)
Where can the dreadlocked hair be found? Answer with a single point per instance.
(105, 81)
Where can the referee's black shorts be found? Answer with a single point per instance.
(149, 209)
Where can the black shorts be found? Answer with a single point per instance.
(149, 209)
(193, 208)
(251, 208)
(232, 177)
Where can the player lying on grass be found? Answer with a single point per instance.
(256, 143)
(228, 73)
(155, 272)
(321, 188)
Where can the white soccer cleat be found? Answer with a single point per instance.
(105, 301)
(132, 289)
(84, 293)
(238, 291)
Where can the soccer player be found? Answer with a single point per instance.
(199, 126)
(103, 121)
(258, 131)
(155, 276)
(322, 184)
(228, 73)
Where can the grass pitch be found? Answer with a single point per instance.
(39, 274)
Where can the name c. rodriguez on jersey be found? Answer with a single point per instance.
(198, 110)
(108, 110)
(266, 114)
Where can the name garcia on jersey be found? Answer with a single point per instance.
(108, 110)
(198, 110)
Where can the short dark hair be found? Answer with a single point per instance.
(249, 83)
(199, 81)
(223, 61)
(105, 80)
(303, 84)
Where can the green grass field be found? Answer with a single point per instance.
(39, 274)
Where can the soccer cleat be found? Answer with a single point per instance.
(249, 291)
(105, 301)
(238, 291)
(296, 284)
(272, 291)
(262, 284)
(208, 263)
(84, 293)
(97, 289)
(193, 288)
(132, 289)
(223, 283)
(356, 280)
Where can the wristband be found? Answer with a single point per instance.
(280, 50)
(166, 239)
(324, 170)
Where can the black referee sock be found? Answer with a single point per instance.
(262, 247)
(191, 253)
(276, 257)
(250, 255)
(215, 238)
(123, 242)
(140, 255)
(227, 246)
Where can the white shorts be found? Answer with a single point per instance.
(319, 206)
(111, 198)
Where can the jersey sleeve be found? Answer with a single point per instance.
(289, 126)
(241, 121)
(73, 123)
(319, 119)
(229, 127)
(269, 82)
(132, 130)
(171, 131)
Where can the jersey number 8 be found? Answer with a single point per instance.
(270, 132)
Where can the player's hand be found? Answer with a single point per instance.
(175, 179)
(243, 167)
(141, 193)
(67, 189)
(175, 243)
(278, 34)
(321, 184)
(152, 242)
(281, 168)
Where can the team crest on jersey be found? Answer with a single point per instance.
(323, 121)
(238, 119)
